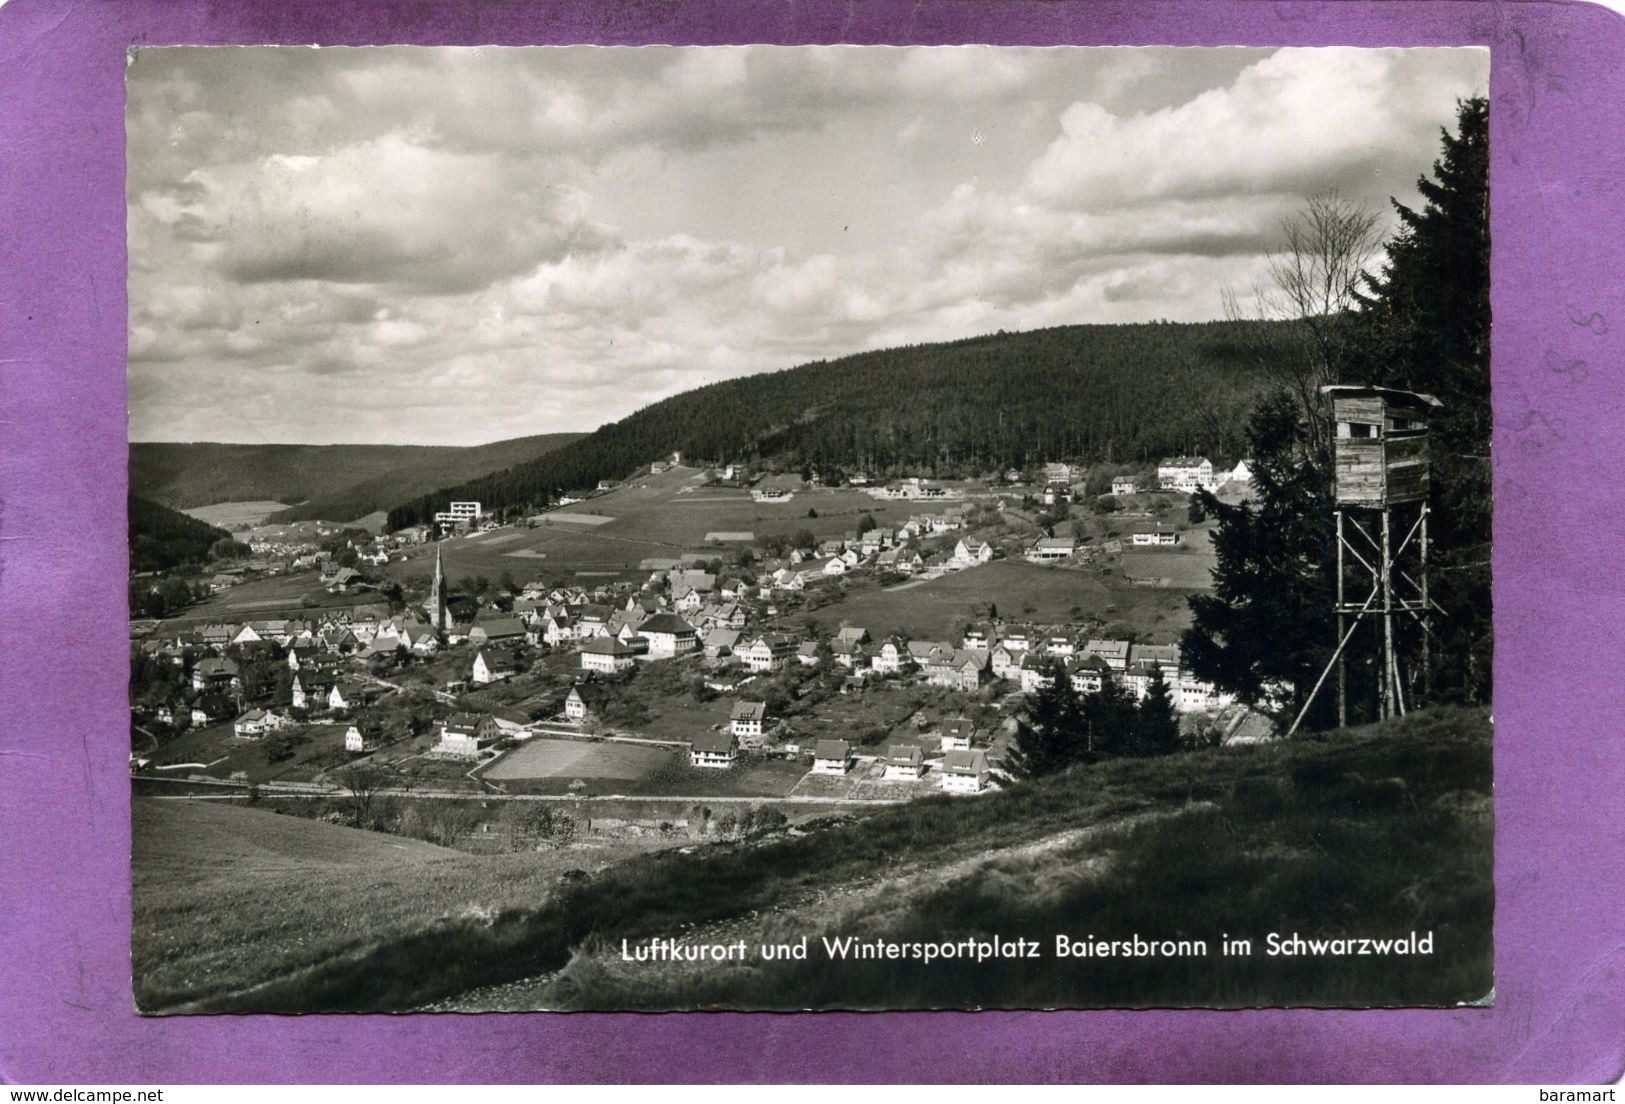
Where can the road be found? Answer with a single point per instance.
(310, 790)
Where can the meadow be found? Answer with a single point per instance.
(653, 517)
(232, 515)
(1366, 832)
(939, 608)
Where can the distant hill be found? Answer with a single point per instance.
(332, 482)
(161, 538)
(1123, 393)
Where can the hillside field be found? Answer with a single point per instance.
(654, 516)
(226, 896)
(935, 608)
(231, 515)
(1375, 832)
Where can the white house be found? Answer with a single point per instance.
(1006, 661)
(464, 735)
(767, 652)
(970, 553)
(1159, 533)
(957, 733)
(832, 757)
(361, 738)
(714, 750)
(964, 772)
(492, 668)
(747, 721)
(904, 763)
(891, 658)
(1123, 486)
(669, 636)
(579, 702)
(1051, 549)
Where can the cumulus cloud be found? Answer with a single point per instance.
(455, 246)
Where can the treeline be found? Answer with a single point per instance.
(161, 538)
(1129, 392)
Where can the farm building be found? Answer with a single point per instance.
(716, 643)
(715, 750)
(904, 763)
(504, 630)
(747, 722)
(964, 772)
(214, 674)
(832, 757)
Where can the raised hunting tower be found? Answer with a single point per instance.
(1380, 463)
(1380, 451)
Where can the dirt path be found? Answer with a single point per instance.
(917, 877)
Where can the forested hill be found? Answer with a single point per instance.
(332, 482)
(161, 538)
(1128, 392)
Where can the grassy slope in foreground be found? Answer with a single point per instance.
(1375, 832)
(226, 897)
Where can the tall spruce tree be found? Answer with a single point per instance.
(1425, 326)
(1110, 719)
(1268, 622)
(1156, 728)
(1050, 735)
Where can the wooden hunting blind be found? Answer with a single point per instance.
(1380, 463)
(1380, 450)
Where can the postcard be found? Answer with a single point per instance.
(931, 519)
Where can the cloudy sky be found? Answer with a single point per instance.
(454, 246)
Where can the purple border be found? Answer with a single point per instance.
(1558, 93)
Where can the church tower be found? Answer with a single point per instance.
(435, 605)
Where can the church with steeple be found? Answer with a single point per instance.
(435, 604)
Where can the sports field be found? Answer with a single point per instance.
(578, 759)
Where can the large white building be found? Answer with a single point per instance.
(460, 513)
(1186, 473)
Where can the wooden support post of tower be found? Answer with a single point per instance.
(1342, 619)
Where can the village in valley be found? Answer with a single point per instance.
(866, 640)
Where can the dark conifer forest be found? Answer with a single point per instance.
(1121, 393)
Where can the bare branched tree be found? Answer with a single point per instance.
(1312, 282)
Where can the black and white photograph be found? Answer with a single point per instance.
(808, 528)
